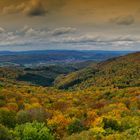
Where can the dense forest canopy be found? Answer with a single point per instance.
(107, 107)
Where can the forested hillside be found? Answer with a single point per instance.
(107, 107)
(40, 75)
(118, 72)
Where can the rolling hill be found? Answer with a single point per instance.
(40, 75)
(119, 72)
(42, 67)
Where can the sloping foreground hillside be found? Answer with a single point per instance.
(37, 113)
(119, 72)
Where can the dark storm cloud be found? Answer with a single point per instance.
(30, 8)
(123, 20)
(35, 8)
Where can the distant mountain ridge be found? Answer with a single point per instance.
(60, 51)
(57, 56)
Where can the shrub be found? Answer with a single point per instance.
(84, 135)
(75, 127)
(4, 133)
(22, 117)
(110, 123)
(34, 114)
(2, 103)
(7, 118)
(33, 131)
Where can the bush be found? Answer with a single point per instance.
(22, 117)
(2, 103)
(75, 127)
(109, 123)
(34, 114)
(7, 118)
(4, 133)
(33, 131)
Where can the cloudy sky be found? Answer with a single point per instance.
(70, 24)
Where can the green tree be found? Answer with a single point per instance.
(7, 118)
(4, 133)
(75, 127)
(110, 123)
(33, 131)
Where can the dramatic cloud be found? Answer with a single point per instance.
(100, 42)
(31, 8)
(35, 8)
(63, 31)
(72, 24)
(30, 37)
(83, 39)
(123, 20)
